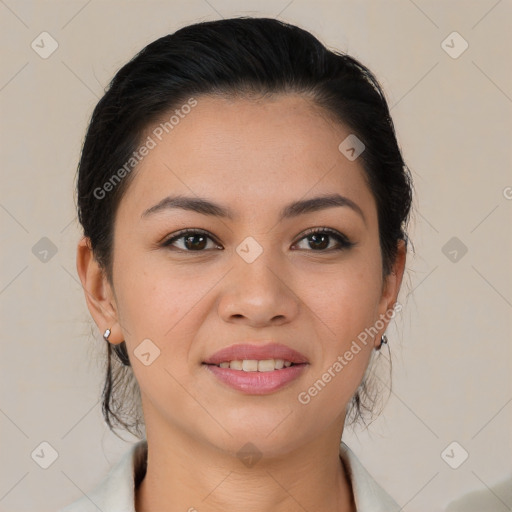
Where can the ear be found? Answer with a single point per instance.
(99, 295)
(391, 288)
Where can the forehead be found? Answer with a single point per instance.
(247, 153)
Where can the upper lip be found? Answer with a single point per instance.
(243, 351)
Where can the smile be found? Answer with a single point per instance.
(255, 365)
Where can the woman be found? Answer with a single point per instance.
(244, 204)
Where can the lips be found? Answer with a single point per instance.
(245, 351)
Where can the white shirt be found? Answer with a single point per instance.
(116, 493)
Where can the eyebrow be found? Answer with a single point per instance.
(207, 207)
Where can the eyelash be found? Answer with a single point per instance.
(343, 241)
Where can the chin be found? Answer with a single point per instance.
(262, 439)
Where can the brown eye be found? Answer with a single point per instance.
(319, 240)
(193, 240)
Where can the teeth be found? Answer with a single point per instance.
(250, 365)
(266, 365)
(254, 365)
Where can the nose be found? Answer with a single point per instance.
(258, 294)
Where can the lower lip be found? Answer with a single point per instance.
(257, 383)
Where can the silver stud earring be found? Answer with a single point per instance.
(119, 349)
(383, 341)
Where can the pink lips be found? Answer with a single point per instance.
(245, 351)
(257, 383)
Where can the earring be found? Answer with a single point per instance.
(383, 341)
(119, 349)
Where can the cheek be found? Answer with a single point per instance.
(344, 298)
(345, 302)
(155, 298)
(328, 392)
(156, 302)
(345, 306)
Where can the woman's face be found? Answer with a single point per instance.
(254, 278)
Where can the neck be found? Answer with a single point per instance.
(185, 475)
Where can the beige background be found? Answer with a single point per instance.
(451, 347)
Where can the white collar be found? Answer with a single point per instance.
(369, 496)
(116, 493)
